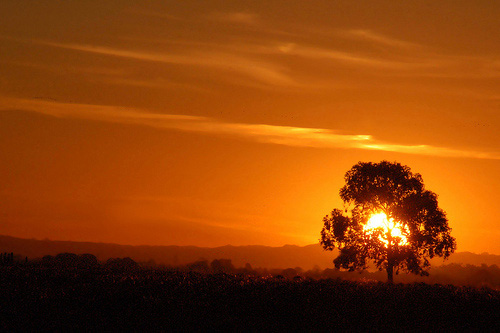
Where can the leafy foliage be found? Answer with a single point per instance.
(391, 189)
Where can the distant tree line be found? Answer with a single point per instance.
(86, 261)
(10, 259)
(456, 274)
(6, 258)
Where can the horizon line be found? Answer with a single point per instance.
(202, 247)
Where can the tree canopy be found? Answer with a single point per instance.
(389, 218)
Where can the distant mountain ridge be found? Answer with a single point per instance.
(287, 256)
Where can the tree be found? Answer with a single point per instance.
(388, 218)
(222, 266)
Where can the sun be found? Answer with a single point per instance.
(388, 226)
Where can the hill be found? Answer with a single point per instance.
(285, 256)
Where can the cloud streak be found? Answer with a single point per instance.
(258, 70)
(263, 133)
(376, 38)
(354, 59)
(272, 64)
(244, 18)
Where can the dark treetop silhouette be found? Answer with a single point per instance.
(389, 217)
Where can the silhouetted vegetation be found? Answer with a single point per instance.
(414, 228)
(259, 256)
(37, 296)
(6, 259)
(456, 274)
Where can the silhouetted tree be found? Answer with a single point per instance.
(121, 264)
(414, 228)
(66, 259)
(289, 273)
(48, 261)
(222, 266)
(87, 261)
(200, 266)
(7, 258)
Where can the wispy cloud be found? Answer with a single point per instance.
(377, 38)
(424, 61)
(246, 59)
(258, 70)
(244, 18)
(271, 64)
(355, 59)
(153, 83)
(263, 133)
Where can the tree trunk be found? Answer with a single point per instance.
(390, 262)
(390, 269)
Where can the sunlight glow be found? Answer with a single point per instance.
(388, 226)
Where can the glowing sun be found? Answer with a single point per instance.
(388, 226)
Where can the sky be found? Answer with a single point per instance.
(233, 122)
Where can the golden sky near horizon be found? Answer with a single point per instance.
(233, 122)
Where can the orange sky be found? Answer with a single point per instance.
(222, 122)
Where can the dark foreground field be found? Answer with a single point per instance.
(45, 299)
